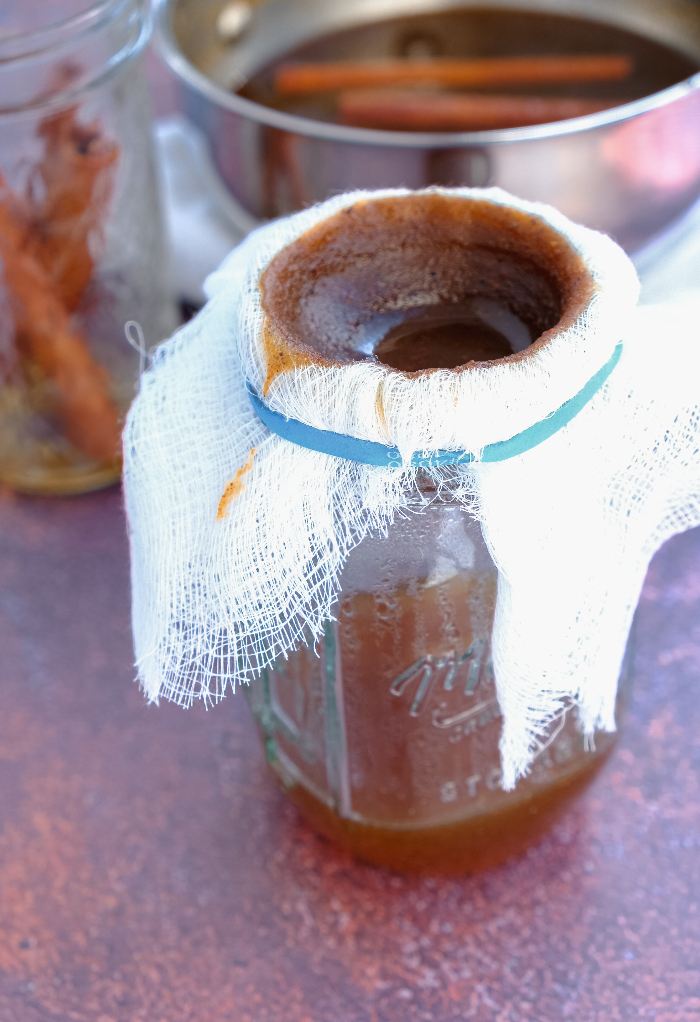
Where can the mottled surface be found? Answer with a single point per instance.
(150, 871)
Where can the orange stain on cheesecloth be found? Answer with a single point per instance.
(280, 357)
(234, 488)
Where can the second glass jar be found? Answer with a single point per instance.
(82, 249)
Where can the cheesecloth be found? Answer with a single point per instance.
(238, 535)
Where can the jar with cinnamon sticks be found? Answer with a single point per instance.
(81, 244)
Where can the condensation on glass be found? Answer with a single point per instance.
(386, 734)
(81, 240)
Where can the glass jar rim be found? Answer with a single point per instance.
(21, 50)
(16, 44)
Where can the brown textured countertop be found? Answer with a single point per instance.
(150, 871)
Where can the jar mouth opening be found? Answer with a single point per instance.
(423, 282)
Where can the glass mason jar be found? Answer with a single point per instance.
(386, 735)
(81, 239)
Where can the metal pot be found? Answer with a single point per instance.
(628, 171)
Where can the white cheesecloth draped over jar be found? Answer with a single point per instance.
(238, 534)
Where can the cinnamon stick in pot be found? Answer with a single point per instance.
(295, 79)
(410, 110)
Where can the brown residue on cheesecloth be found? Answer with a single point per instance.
(280, 356)
(379, 408)
(234, 488)
(376, 256)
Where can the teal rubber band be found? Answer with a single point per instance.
(369, 452)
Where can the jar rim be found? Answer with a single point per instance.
(22, 52)
(422, 223)
(19, 43)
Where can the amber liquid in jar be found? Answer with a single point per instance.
(387, 741)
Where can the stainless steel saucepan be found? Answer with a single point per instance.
(628, 171)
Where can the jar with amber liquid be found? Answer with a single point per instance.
(385, 735)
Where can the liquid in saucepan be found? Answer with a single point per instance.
(482, 33)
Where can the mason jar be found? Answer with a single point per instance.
(81, 239)
(385, 734)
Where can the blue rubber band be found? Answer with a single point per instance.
(369, 452)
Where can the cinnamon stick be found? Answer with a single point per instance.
(295, 79)
(45, 337)
(75, 180)
(409, 110)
